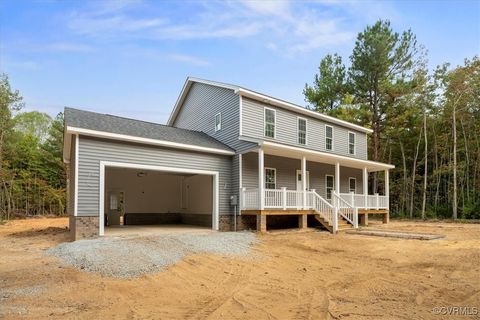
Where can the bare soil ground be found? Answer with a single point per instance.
(296, 275)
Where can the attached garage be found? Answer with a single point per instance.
(129, 172)
(149, 195)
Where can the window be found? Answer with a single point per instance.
(352, 185)
(328, 138)
(113, 201)
(329, 186)
(270, 178)
(218, 122)
(351, 143)
(302, 130)
(269, 123)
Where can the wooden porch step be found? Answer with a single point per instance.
(343, 224)
(324, 222)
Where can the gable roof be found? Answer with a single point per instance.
(118, 128)
(263, 98)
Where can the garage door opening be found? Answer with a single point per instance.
(140, 197)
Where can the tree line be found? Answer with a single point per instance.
(425, 122)
(32, 174)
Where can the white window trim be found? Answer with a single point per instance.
(333, 140)
(326, 185)
(354, 143)
(218, 115)
(354, 179)
(306, 131)
(265, 177)
(274, 123)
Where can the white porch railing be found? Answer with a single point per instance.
(362, 201)
(324, 208)
(250, 199)
(293, 199)
(345, 209)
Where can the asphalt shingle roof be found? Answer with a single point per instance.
(119, 125)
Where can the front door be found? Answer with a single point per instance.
(299, 180)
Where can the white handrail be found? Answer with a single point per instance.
(324, 209)
(346, 210)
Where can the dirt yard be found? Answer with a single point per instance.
(295, 275)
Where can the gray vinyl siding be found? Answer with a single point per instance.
(92, 151)
(286, 130)
(286, 169)
(198, 112)
(345, 174)
(71, 179)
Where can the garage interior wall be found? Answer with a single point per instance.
(185, 198)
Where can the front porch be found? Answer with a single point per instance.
(336, 194)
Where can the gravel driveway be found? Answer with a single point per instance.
(128, 257)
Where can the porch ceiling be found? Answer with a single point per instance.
(324, 157)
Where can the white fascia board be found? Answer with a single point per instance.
(333, 158)
(296, 108)
(163, 143)
(179, 102)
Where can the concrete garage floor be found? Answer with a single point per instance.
(145, 230)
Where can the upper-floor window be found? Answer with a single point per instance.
(351, 143)
(270, 178)
(302, 130)
(269, 123)
(328, 137)
(218, 122)
(352, 185)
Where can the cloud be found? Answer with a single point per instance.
(285, 26)
(19, 64)
(195, 61)
(23, 46)
(67, 47)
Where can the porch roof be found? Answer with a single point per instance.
(324, 157)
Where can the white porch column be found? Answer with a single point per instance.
(387, 188)
(261, 178)
(337, 178)
(304, 182)
(365, 186)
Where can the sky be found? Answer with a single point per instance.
(131, 58)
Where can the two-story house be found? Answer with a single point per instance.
(228, 158)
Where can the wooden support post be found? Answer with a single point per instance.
(284, 198)
(261, 223)
(386, 217)
(302, 221)
(364, 219)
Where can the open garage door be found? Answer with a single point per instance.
(145, 196)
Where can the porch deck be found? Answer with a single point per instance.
(341, 212)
